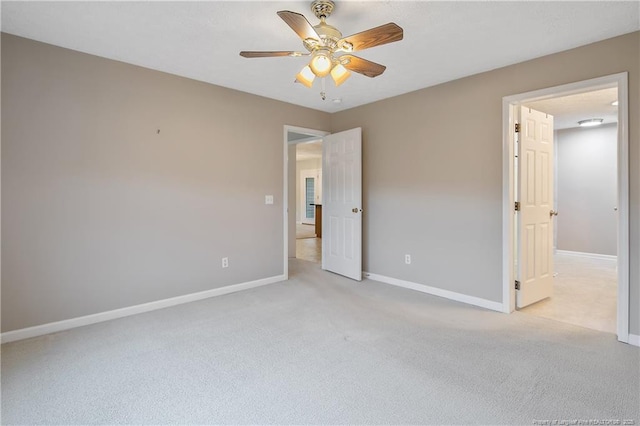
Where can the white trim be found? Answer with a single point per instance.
(54, 327)
(624, 298)
(310, 139)
(285, 190)
(458, 297)
(589, 255)
(634, 339)
(508, 219)
(508, 106)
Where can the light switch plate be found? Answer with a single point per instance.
(268, 199)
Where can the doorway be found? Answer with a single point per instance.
(583, 242)
(590, 279)
(302, 189)
(341, 245)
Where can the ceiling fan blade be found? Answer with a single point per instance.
(387, 33)
(362, 66)
(299, 24)
(268, 54)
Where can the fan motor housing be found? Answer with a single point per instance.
(327, 31)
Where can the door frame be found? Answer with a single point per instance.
(286, 178)
(509, 104)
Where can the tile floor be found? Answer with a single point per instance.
(307, 246)
(309, 249)
(304, 230)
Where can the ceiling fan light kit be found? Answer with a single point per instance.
(340, 74)
(329, 51)
(306, 76)
(321, 62)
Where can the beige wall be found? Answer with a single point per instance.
(432, 164)
(100, 211)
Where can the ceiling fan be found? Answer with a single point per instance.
(331, 52)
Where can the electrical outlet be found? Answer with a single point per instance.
(225, 262)
(268, 199)
(407, 259)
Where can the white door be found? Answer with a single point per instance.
(535, 218)
(342, 203)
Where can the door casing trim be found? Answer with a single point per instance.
(509, 104)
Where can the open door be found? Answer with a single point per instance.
(342, 203)
(535, 215)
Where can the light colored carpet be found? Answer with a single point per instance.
(305, 231)
(320, 348)
(585, 293)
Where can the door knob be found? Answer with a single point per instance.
(553, 213)
(355, 210)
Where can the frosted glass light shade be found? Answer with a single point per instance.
(321, 63)
(306, 76)
(340, 74)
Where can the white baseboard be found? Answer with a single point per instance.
(458, 297)
(53, 327)
(634, 339)
(591, 255)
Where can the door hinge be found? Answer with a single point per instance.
(517, 285)
(517, 127)
(517, 206)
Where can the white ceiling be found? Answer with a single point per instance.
(568, 110)
(443, 41)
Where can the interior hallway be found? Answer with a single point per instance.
(584, 293)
